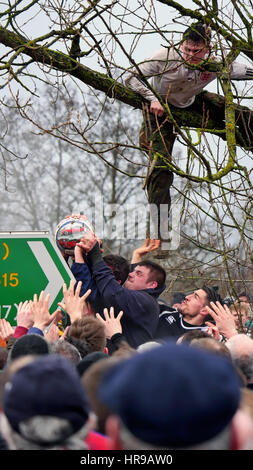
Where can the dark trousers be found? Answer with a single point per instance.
(157, 138)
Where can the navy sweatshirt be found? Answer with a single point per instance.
(140, 307)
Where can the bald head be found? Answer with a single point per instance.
(240, 345)
(241, 350)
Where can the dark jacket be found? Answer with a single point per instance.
(140, 307)
(81, 272)
(171, 324)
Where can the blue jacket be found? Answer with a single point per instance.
(81, 272)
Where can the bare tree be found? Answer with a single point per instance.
(56, 178)
(214, 173)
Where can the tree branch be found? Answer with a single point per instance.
(192, 116)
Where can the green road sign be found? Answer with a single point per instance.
(29, 263)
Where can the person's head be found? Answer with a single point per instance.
(67, 350)
(240, 345)
(212, 345)
(81, 345)
(188, 402)
(242, 312)
(91, 330)
(196, 43)
(119, 266)
(29, 344)
(245, 297)
(190, 335)
(124, 350)
(89, 360)
(194, 304)
(10, 369)
(147, 346)
(44, 404)
(146, 275)
(241, 350)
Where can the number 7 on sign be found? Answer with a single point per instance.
(8, 309)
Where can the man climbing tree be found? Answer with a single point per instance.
(93, 44)
(175, 80)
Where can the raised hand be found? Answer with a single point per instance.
(88, 242)
(223, 318)
(148, 246)
(52, 334)
(25, 315)
(111, 324)
(6, 330)
(213, 330)
(74, 304)
(40, 309)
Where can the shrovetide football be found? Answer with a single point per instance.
(69, 232)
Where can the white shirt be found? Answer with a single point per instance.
(173, 80)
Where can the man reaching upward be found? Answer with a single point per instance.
(137, 298)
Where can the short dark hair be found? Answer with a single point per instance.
(198, 32)
(81, 345)
(157, 273)
(190, 335)
(119, 266)
(212, 294)
(29, 344)
(245, 294)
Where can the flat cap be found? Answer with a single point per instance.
(173, 395)
(48, 386)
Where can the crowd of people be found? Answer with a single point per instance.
(116, 367)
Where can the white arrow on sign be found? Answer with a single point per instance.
(55, 280)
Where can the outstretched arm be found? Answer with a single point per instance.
(148, 246)
(241, 71)
(156, 65)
